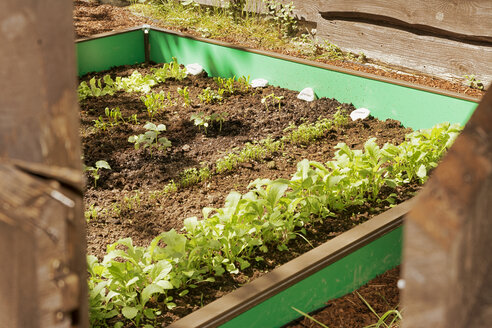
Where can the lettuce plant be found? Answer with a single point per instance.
(151, 138)
(94, 171)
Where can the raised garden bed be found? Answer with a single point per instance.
(189, 143)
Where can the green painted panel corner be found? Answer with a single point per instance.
(115, 50)
(335, 280)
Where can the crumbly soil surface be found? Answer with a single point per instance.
(91, 18)
(129, 198)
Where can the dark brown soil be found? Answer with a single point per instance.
(129, 197)
(381, 294)
(91, 18)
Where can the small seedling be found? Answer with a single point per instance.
(100, 124)
(134, 118)
(244, 84)
(114, 116)
(151, 138)
(473, 83)
(340, 118)
(154, 102)
(94, 171)
(192, 176)
(91, 213)
(283, 16)
(274, 100)
(186, 96)
(203, 121)
(226, 84)
(211, 96)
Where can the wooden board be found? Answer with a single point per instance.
(42, 236)
(471, 18)
(448, 235)
(427, 54)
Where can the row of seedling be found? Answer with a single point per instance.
(130, 280)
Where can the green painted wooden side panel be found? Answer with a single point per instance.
(414, 108)
(338, 279)
(115, 50)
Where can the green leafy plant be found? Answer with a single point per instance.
(211, 96)
(91, 213)
(306, 133)
(283, 16)
(472, 82)
(94, 171)
(227, 85)
(192, 176)
(171, 70)
(243, 83)
(151, 138)
(130, 279)
(273, 100)
(101, 124)
(94, 88)
(185, 94)
(133, 118)
(340, 118)
(113, 118)
(204, 121)
(156, 102)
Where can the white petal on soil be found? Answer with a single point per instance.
(194, 69)
(259, 83)
(306, 94)
(360, 114)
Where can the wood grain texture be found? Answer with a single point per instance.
(467, 17)
(38, 105)
(42, 235)
(427, 54)
(448, 235)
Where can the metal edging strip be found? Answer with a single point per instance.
(287, 275)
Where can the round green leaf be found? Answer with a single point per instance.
(129, 312)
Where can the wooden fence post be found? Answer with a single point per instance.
(448, 235)
(42, 237)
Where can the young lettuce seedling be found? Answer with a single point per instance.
(186, 96)
(94, 171)
(151, 138)
(275, 100)
(211, 96)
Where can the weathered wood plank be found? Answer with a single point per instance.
(17, 276)
(42, 235)
(448, 235)
(427, 54)
(467, 17)
(38, 106)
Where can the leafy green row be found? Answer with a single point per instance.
(136, 82)
(130, 280)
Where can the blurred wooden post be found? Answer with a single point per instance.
(42, 236)
(448, 236)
